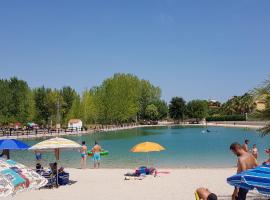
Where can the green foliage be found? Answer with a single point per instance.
(177, 108)
(239, 105)
(226, 118)
(197, 109)
(264, 91)
(162, 109)
(151, 112)
(148, 94)
(15, 102)
(67, 97)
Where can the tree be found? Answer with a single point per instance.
(148, 94)
(68, 95)
(264, 91)
(239, 105)
(197, 109)
(177, 108)
(75, 111)
(117, 99)
(89, 103)
(15, 101)
(162, 108)
(151, 112)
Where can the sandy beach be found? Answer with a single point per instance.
(103, 184)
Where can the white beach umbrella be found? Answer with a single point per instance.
(56, 144)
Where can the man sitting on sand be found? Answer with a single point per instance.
(205, 194)
(245, 145)
(96, 155)
(245, 161)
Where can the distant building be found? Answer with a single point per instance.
(261, 102)
(260, 105)
(75, 124)
(212, 103)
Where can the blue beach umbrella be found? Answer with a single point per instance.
(257, 178)
(12, 144)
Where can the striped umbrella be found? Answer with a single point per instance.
(56, 144)
(257, 178)
(15, 177)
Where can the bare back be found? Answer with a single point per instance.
(245, 162)
(245, 147)
(96, 149)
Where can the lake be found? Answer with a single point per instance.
(185, 147)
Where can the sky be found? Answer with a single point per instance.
(203, 49)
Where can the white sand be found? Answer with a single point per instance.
(109, 184)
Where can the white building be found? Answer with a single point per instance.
(75, 124)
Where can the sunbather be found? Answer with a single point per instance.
(205, 194)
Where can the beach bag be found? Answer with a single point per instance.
(63, 178)
(142, 170)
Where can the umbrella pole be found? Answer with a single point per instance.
(148, 159)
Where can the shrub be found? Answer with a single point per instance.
(226, 118)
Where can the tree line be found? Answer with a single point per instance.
(122, 98)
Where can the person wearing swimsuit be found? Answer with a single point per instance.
(83, 155)
(96, 155)
(205, 194)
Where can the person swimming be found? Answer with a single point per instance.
(96, 154)
(83, 155)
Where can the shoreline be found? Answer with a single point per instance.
(79, 133)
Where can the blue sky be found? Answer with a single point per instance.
(194, 49)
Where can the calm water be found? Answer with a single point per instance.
(185, 147)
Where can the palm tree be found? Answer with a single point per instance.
(265, 114)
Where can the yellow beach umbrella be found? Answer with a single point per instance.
(147, 147)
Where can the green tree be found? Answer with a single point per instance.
(15, 101)
(239, 105)
(177, 108)
(148, 94)
(89, 111)
(264, 91)
(197, 109)
(75, 111)
(151, 112)
(118, 99)
(68, 95)
(162, 108)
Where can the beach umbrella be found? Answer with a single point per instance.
(257, 178)
(56, 144)
(15, 177)
(147, 147)
(12, 144)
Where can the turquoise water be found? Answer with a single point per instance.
(185, 147)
